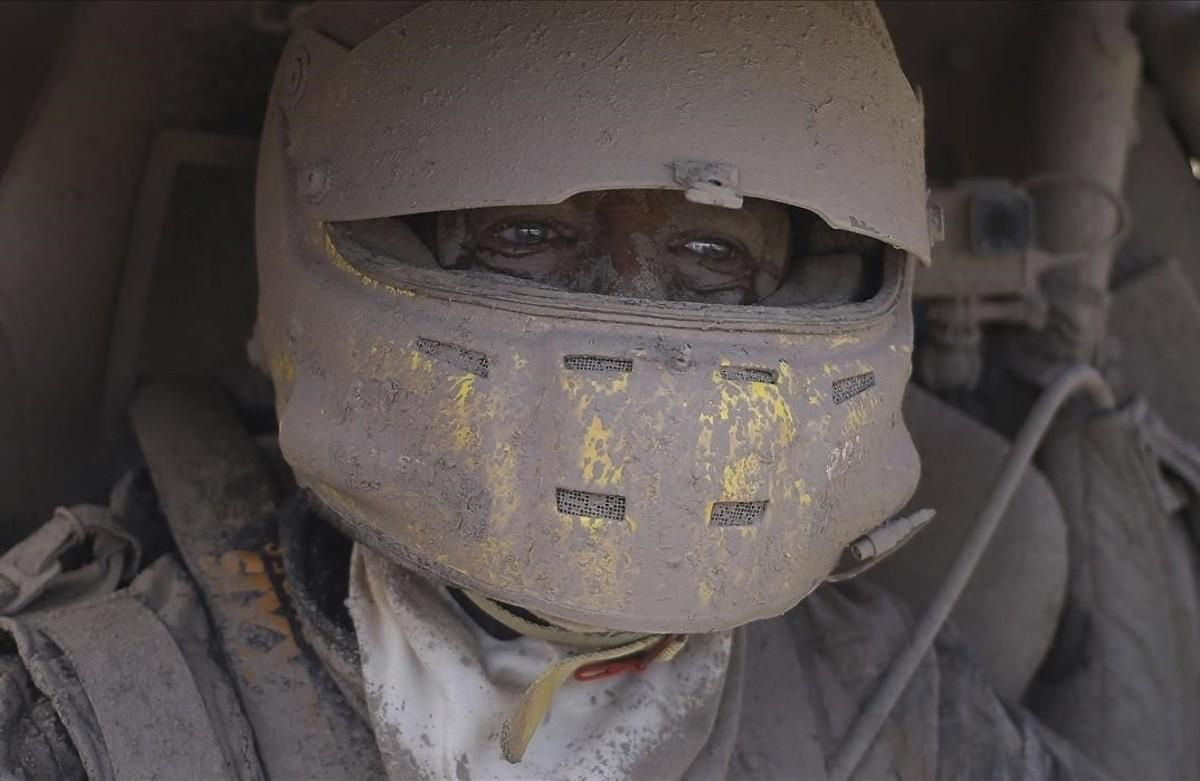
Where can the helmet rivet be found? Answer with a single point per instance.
(681, 357)
(315, 180)
(295, 76)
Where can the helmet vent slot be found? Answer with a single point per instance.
(459, 357)
(737, 513)
(608, 506)
(598, 363)
(849, 387)
(748, 374)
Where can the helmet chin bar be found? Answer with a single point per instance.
(662, 476)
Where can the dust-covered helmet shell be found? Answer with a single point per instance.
(669, 467)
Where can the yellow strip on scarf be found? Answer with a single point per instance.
(535, 702)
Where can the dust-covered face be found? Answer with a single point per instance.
(649, 244)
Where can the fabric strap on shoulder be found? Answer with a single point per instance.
(217, 494)
(135, 703)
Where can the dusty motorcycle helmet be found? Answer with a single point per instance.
(634, 465)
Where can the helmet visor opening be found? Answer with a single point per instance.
(648, 251)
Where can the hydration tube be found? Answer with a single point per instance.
(897, 676)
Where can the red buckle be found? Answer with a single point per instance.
(636, 663)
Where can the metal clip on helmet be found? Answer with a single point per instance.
(658, 467)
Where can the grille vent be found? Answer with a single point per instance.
(598, 363)
(608, 506)
(849, 387)
(459, 357)
(737, 513)
(747, 374)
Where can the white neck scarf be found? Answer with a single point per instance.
(439, 690)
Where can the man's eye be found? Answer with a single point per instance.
(714, 249)
(526, 234)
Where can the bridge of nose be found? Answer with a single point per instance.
(640, 267)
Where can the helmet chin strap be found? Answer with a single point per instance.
(606, 653)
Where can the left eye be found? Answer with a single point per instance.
(714, 249)
(526, 234)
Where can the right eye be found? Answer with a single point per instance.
(713, 249)
(526, 234)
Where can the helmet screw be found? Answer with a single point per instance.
(295, 76)
(315, 180)
(681, 358)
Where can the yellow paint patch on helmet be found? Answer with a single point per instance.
(283, 368)
(463, 412)
(597, 463)
(419, 362)
(573, 388)
(779, 410)
(704, 439)
(795, 491)
(570, 385)
(381, 349)
(339, 261)
(741, 479)
(609, 385)
(497, 563)
(812, 392)
(759, 405)
(582, 389)
(860, 411)
(593, 524)
(600, 560)
(759, 428)
(500, 474)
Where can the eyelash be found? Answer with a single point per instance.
(557, 233)
(737, 251)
